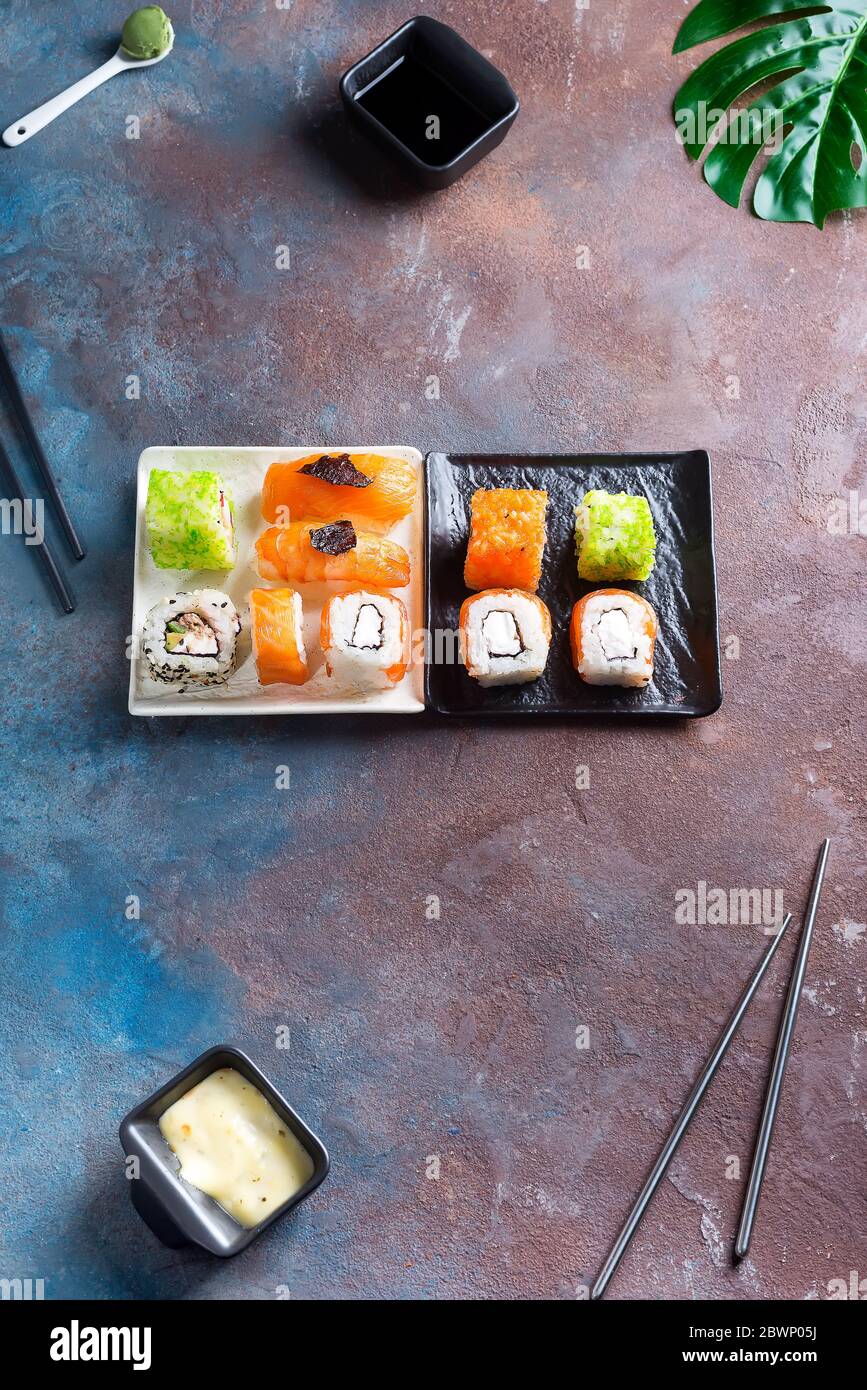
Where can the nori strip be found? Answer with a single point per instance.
(337, 469)
(335, 538)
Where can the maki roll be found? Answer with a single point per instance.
(614, 536)
(505, 636)
(190, 521)
(365, 638)
(507, 538)
(190, 638)
(306, 553)
(277, 630)
(373, 491)
(613, 634)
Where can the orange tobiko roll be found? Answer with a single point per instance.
(507, 538)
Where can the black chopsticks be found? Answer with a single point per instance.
(692, 1103)
(41, 546)
(781, 1057)
(19, 406)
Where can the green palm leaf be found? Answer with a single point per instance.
(820, 102)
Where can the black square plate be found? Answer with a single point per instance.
(681, 587)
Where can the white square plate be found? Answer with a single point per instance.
(243, 471)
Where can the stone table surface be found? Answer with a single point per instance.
(582, 289)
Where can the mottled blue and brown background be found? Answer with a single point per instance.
(411, 1038)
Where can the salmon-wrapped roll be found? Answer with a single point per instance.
(305, 553)
(613, 635)
(277, 630)
(372, 491)
(505, 636)
(507, 538)
(365, 638)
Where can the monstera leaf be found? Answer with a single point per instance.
(815, 117)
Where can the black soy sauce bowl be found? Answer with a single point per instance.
(479, 104)
(177, 1213)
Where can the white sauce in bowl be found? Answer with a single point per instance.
(234, 1146)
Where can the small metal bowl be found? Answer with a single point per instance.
(178, 1213)
(459, 69)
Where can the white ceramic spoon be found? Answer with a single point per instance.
(21, 130)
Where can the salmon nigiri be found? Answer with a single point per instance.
(305, 553)
(370, 490)
(278, 638)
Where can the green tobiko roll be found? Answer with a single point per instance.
(614, 536)
(190, 522)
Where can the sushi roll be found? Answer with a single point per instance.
(372, 491)
(505, 636)
(614, 536)
(507, 538)
(190, 638)
(277, 631)
(307, 553)
(613, 634)
(365, 638)
(190, 522)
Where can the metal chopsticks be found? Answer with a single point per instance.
(689, 1109)
(778, 1068)
(13, 390)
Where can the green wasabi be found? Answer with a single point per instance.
(147, 33)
